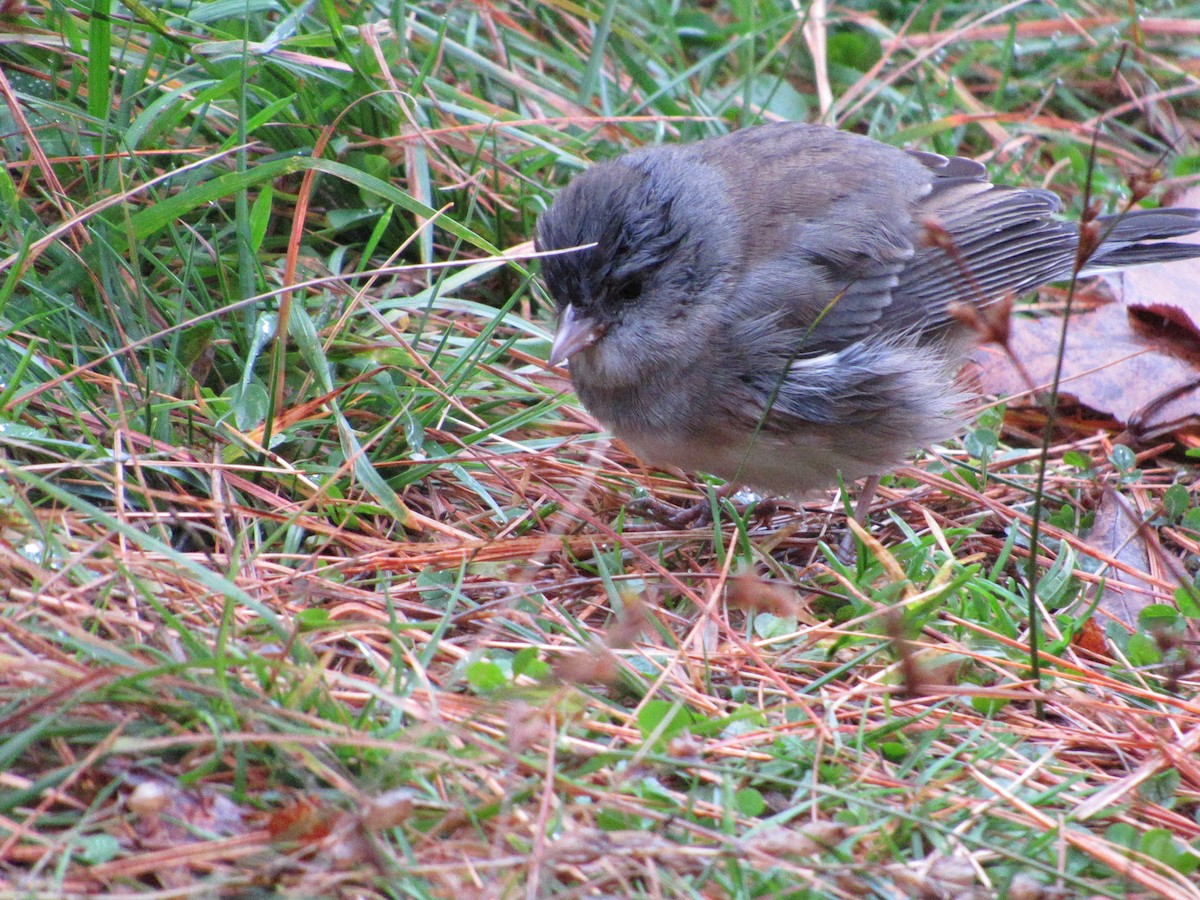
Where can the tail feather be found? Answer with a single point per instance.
(1150, 224)
(1124, 234)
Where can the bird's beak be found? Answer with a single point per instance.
(575, 333)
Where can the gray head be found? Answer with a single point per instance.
(634, 295)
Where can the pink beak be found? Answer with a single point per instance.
(574, 333)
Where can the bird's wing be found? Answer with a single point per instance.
(977, 242)
(827, 229)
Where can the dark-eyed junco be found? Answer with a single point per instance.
(783, 303)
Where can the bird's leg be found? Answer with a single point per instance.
(862, 509)
(862, 512)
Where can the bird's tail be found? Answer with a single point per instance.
(1123, 238)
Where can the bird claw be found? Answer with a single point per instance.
(673, 517)
(701, 513)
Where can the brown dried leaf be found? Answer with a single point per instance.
(1117, 535)
(588, 845)
(1091, 638)
(304, 821)
(596, 665)
(803, 839)
(622, 633)
(754, 594)
(1112, 365)
(388, 810)
(1166, 291)
(1026, 887)
(168, 815)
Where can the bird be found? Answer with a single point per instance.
(784, 304)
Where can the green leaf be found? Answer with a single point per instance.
(486, 676)
(1158, 843)
(1078, 460)
(696, 25)
(1158, 616)
(664, 718)
(99, 848)
(749, 802)
(439, 587)
(309, 619)
(1186, 600)
(853, 48)
(1122, 834)
(989, 706)
(167, 211)
(194, 341)
(250, 405)
(8, 190)
(1161, 788)
(303, 333)
(1176, 501)
(526, 662)
(768, 626)
(1064, 517)
(1142, 651)
(18, 431)
(776, 96)
(367, 474)
(1183, 166)
(260, 216)
(99, 51)
(981, 443)
(373, 164)
(1122, 458)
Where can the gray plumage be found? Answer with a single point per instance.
(768, 305)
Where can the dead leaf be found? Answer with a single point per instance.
(1118, 535)
(1091, 638)
(755, 594)
(305, 821)
(1112, 365)
(169, 815)
(1167, 291)
(595, 665)
(803, 839)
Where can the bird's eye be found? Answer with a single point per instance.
(629, 290)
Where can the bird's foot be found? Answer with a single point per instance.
(669, 515)
(701, 513)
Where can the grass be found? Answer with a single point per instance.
(319, 583)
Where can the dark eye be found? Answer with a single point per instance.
(629, 290)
